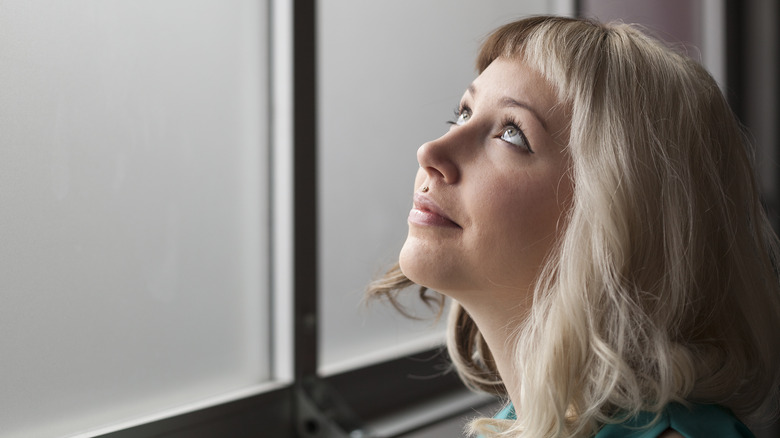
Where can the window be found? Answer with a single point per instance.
(182, 253)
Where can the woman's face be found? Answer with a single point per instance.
(491, 193)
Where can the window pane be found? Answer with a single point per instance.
(390, 76)
(133, 186)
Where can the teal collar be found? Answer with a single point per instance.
(691, 420)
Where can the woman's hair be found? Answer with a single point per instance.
(663, 286)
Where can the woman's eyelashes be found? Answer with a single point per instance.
(510, 130)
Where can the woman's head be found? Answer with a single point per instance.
(490, 193)
(657, 282)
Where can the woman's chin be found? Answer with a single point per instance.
(426, 268)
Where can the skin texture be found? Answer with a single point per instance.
(508, 203)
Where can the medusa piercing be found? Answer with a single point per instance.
(424, 189)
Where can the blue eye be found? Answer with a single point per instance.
(512, 134)
(463, 116)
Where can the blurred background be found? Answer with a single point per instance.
(195, 194)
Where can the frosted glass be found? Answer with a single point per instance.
(133, 268)
(390, 76)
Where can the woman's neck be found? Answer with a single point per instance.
(498, 325)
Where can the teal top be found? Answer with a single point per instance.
(698, 421)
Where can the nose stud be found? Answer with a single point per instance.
(424, 189)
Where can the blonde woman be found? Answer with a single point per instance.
(594, 217)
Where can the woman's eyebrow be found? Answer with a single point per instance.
(508, 101)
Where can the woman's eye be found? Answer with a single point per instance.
(512, 134)
(463, 117)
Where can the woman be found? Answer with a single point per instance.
(594, 216)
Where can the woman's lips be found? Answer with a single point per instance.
(426, 212)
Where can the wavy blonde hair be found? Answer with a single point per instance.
(663, 286)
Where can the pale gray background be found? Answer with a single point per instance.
(133, 231)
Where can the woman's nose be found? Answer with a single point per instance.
(437, 158)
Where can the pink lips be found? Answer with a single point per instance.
(426, 212)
